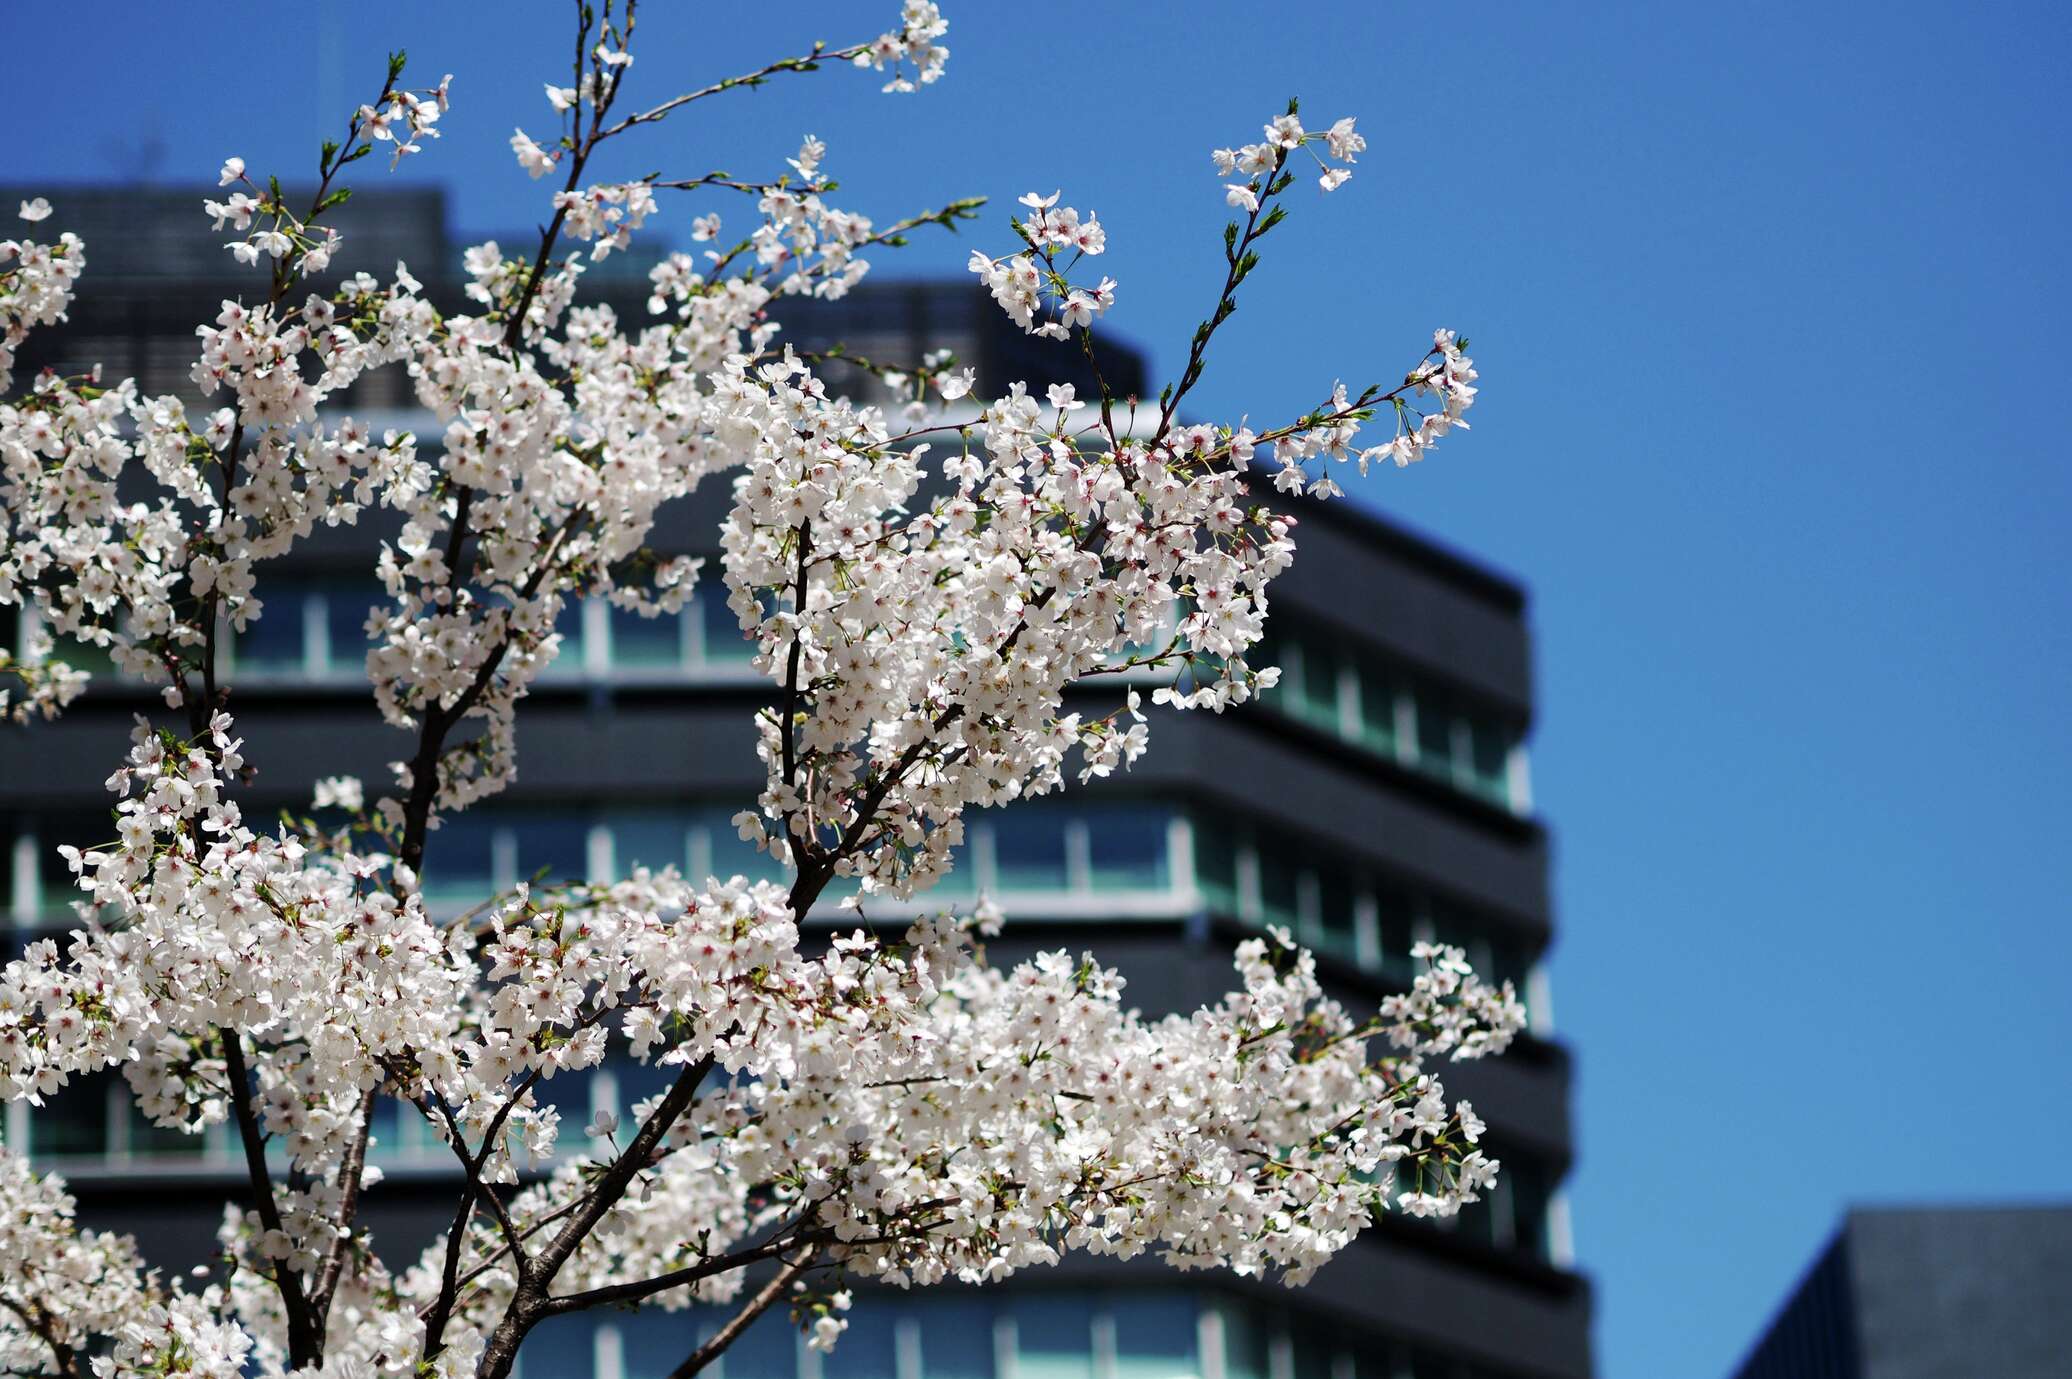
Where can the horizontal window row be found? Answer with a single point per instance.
(1367, 698)
(1336, 905)
(1114, 860)
(1013, 1332)
(93, 1122)
(315, 630)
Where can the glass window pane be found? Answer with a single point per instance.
(1313, 1353)
(962, 878)
(1215, 859)
(1054, 1336)
(385, 1135)
(1378, 707)
(346, 610)
(73, 1120)
(653, 840)
(1318, 697)
(96, 661)
(866, 1349)
(1126, 846)
(154, 1141)
(58, 888)
(559, 844)
(1434, 732)
(653, 1342)
(1244, 1345)
(956, 1337)
(1491, 761)
(1154, 1336)
(1029, 848)
(1335, 891)
(724, 640)
(1531, 1192)
(273, 640)
(559, 1348)
(1278, 883)
(568, 661)
(460, 860)
(642, 642)
(636, 1082)
(1395, 912)
(731, 856)
(767, 1350)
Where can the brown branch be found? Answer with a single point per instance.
(740, 1321)
(353, 1172)
(676, 1278)
(304, 1337)
(39, 1322)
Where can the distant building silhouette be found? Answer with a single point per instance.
(1930, 1293)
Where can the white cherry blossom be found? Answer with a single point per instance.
(922, 589)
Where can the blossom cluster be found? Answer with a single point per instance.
(1021, 283)
(1284, 134)
(920, 25)
(922, 592)
(36, 282)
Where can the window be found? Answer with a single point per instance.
(731, 855)
(1054, 1336)
(767, 1350)
(460, 860)
(653, 840)
(273, 643)
(568, 661)
(73, 1121)
(1316, 696)
(347, 607)
(1215, 860)
(1337, 904)
(560, 1348)
(1434, 732)
(956, 1337)
(146, 1140)
(557, 845)
(1126, 847)
(1154, 1336)
(868, 1348)
(58, 887)
(643, 643)
(96, 661)
(1387, 708)
(962, 878)
(652, 1343)
(1489, 757)
(1379, 688)
(1029, 851)
(725, 643)
(1279, 884)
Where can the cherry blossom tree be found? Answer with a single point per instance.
(923, 583)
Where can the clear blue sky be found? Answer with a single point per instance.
(1770, 302)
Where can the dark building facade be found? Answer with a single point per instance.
(1379, 796)
(1930, 1293)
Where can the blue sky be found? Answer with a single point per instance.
(1770, 303)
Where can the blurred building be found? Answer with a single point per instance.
(1930, 1293)
(1379, 796)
